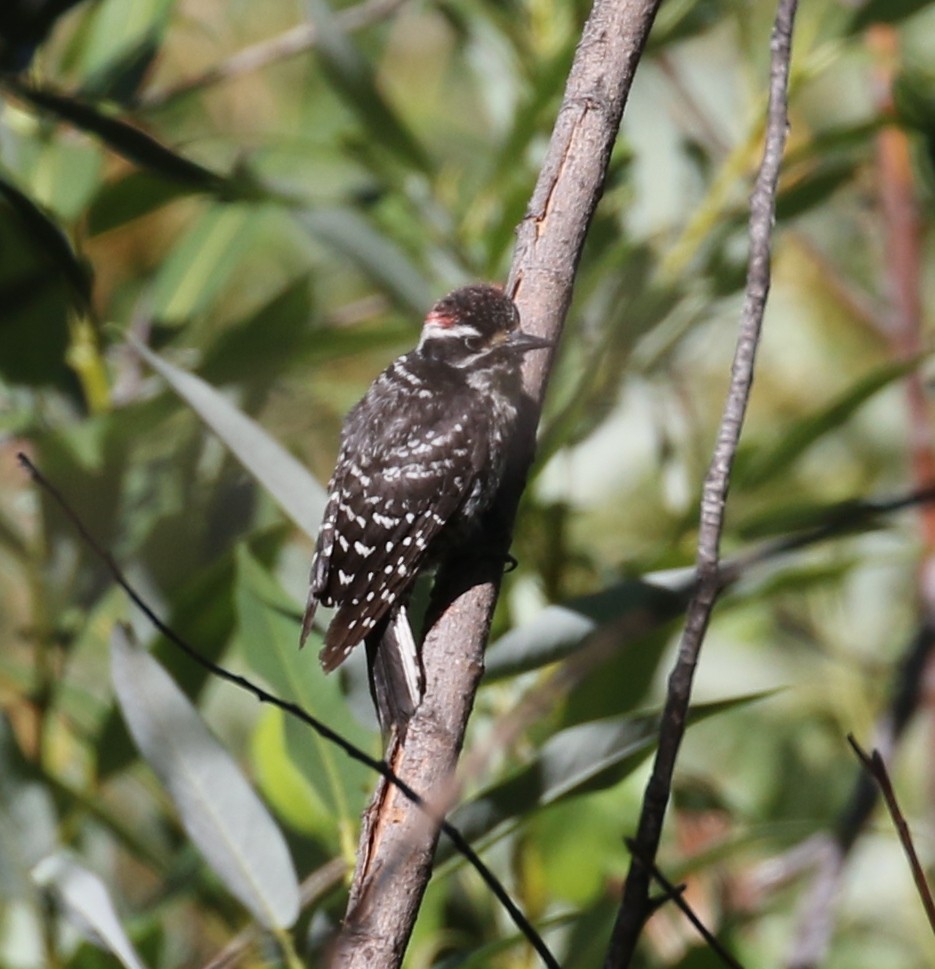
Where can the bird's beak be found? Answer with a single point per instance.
(524, 342)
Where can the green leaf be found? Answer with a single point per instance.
(201, 264)
(353, 79)
(814, 188)
(48, 239)
(129, 142)
(884, 12)
(288, 482)
(380, 259)
(633, 608)
(127, 198)
(28, 823)
(754, 469)
(269, 637)
(109, 32)
(220, 811)
(204, 611)
(587, 757)
(268, 341)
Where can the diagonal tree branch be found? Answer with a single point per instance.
(635, 906)
(397, 845)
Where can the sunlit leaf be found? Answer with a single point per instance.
(201, 263)
(88, 904)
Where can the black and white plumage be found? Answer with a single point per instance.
(422, 457)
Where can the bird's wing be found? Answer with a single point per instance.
(324, 546)
(386, 520)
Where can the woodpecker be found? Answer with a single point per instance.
(421, 460)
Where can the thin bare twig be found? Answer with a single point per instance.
(876, 768)
(293, 710)
(902, 324)
(296, 40)
(634, 905)
(676, 894)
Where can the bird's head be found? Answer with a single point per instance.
(477, 323)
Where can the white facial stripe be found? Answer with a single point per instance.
(435, 331)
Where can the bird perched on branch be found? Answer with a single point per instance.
(422, 458)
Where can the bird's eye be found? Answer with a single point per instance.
(474, 343)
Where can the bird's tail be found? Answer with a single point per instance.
(396, 679)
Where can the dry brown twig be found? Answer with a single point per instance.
(634, 908)
(676, 893)
(875, 766)
(901, 322)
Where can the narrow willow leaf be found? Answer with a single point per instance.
(754, 469)
(291, 486)
(220, 811)
(269, 636)
(130, 196)
(587, 757)
(202, 262)
(374, 254)
(559, 630)
(354, 80)
(88, 905)
(127, 141)
(49, 240)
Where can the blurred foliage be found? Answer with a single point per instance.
(202, 268)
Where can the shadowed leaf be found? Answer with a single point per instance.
(135, 145)
(49, 240)
(353, 79)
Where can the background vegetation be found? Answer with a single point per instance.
(278, 233)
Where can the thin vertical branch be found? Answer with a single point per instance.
(875, 766)
(635, 907)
